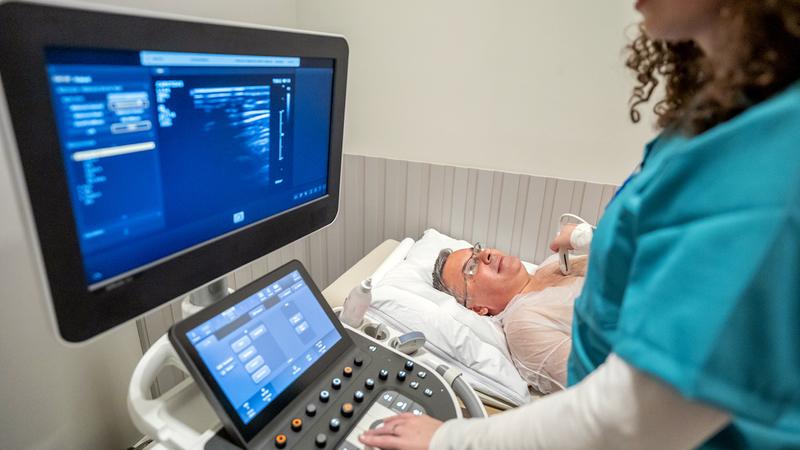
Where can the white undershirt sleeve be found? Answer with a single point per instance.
(616, 407)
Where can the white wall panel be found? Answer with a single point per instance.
(395, 198)
(507, 205)
(353, 193)
(534, 206)
(374, 201)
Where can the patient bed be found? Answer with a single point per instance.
(482, 355)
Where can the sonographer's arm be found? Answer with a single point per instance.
(616, 407)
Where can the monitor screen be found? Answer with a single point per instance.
(165, 151)
(258, 347)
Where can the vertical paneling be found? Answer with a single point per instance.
(577, 197)
(273, 260)
(507, 211)
(259, 267)
(458, 217)
(424, 201)
(608, 194)
(413, 200)
(590, 206)
(395, 199)
(532, 218)
(483, 204)
(447, 199)
(318, 258)
(382, 199)
(242, 276)
(374, 201)
(494, 208)
(562, 202)
(354, 210)
(301, 251)
(545, 220)
(335, 242)
(470, 213)
(520, 201)
(435, 216)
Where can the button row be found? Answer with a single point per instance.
(400, 403)
(390, 399)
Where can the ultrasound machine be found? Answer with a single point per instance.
(158, 153)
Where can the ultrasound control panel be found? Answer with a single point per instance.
(366, 386)
(281, 371)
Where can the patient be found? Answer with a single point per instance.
(535, 310)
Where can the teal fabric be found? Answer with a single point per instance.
(694, 274)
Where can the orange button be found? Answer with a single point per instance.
(348, 371)
(347, 409)
(280, 441)
(297, 424)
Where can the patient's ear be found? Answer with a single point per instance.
(480, 310)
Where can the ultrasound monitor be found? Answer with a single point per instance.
(167, 150)
(158, 159)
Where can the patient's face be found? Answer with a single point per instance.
(499, 277)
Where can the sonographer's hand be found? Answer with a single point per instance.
(402, 432)
(563, 238)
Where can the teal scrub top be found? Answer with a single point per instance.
(694, 274)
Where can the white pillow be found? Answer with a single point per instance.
(406, 294)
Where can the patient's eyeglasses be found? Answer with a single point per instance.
(470, 268)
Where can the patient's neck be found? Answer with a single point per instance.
(550, 275)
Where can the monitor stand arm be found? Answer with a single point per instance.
(205, 296)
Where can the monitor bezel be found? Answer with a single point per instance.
(208, 384)
(28, 29)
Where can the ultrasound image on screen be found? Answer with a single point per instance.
(165, 151)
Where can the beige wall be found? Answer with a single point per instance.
(281, 13)
(526, 86)
(54, 396)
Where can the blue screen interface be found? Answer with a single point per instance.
(164, 151)
(257, 348)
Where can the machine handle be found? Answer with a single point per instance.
(151, 416)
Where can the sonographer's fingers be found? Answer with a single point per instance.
(383, 442)
(403, 432)
(398, 418)
(562, 239)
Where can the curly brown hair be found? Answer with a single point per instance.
(760, 59)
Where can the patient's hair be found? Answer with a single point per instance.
(761, 57)
(438, 268)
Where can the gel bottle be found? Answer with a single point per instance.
(356, 304)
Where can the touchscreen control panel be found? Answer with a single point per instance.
(356, 394)
(282, 372)
(257, 348)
